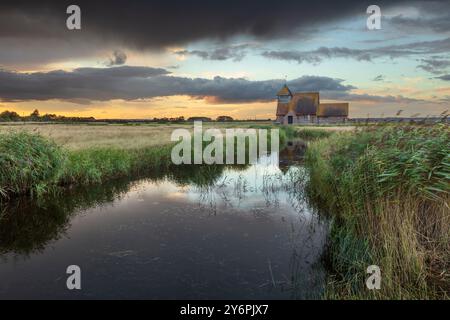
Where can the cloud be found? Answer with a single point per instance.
(444, 77)
(434, 16)
(379, 99)
(393, 51)
(84, 85)
(439, 24)
(434, 65)
(161, 23)
(78, 85)
(379, 78)
(132, 83)
(230, 52)
(119, 58)
(318, 55)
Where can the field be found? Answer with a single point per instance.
(79, 136)
(83, 136)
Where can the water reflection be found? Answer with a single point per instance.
(199, 232)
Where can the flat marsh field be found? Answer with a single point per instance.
(86, 136)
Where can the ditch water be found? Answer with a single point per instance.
(208, 232)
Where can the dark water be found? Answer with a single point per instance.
(193, 233)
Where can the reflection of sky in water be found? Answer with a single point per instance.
(250, 235)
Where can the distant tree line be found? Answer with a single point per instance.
(35, 116)
(7, 116)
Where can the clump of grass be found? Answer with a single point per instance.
(29, 163)
(387, 190)
(96, 165)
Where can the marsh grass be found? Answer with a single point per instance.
(312, 134)
(387, 191)
(96, 165)
(28, 163)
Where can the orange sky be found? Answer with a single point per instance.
(174, 106)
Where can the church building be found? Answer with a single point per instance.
(305, 107)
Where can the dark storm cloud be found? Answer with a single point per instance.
(160, 23)
(434, 16)
(81, 83)
(130, 83)
(392, 51)
(437, 24)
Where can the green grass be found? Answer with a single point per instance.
(28, 163)
(312, 134)
(387, 192)
(96, 165)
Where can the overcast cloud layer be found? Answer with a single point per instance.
(84, 85)
(129, 83)
(159, 23)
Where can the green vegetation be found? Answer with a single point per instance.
(308, 134)
(387, 191)
(28, 162)
(97, 165)
(11, 116)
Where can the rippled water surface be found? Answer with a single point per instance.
(203, 233)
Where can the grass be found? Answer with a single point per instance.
(311, 134)
(81, 137)
(28, 160)
(387, 191)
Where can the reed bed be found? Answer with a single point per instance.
(387, 191)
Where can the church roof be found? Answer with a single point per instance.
(304, 103)
(333, 110)
(284, 91)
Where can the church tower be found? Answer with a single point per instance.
(284, 95)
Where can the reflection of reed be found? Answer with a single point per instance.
(307, 239)
(29, 224)
(231, 191)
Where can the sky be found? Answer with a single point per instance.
(145, 59)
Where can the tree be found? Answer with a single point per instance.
(9, 116)
(224, 118)
(35, 113)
